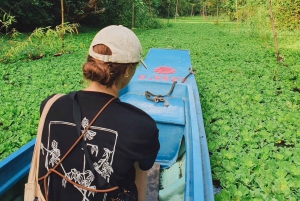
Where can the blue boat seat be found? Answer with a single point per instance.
(170, 122)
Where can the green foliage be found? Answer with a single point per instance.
(6, 21)
(37, 13)
(250, 103)
(257, 13)
(256, 20)
(32, 14)
(166, 9)
(287, 14)
(41, 42)
(120, 12)
(144, 20)
(27, 15)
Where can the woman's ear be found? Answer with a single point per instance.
(127, 70)
(130, 70)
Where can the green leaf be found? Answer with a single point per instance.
(294, 170)
(281, 173)
(223, 195)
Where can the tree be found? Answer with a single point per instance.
(217, 21)
(30, 14)
(192, 9)
(150, 8)
(236, 14)
(204, 10)
(132, 19)
(87, 9)
(176, 9)
(279, 59)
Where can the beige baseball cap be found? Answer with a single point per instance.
(124, 44)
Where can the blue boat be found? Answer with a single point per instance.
(167, 91)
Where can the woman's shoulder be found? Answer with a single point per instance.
(44, 102)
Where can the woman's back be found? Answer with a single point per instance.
(120, 136)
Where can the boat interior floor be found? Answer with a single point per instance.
(172, 179)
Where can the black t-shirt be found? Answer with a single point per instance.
(120, 136)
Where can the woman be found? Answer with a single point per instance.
(121, 136)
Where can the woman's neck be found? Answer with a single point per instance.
(95, 86)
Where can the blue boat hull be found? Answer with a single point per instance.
(183, 157)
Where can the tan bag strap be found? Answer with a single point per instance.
(67, 153)
(33, 173)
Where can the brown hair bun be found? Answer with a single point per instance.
(105, 73)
